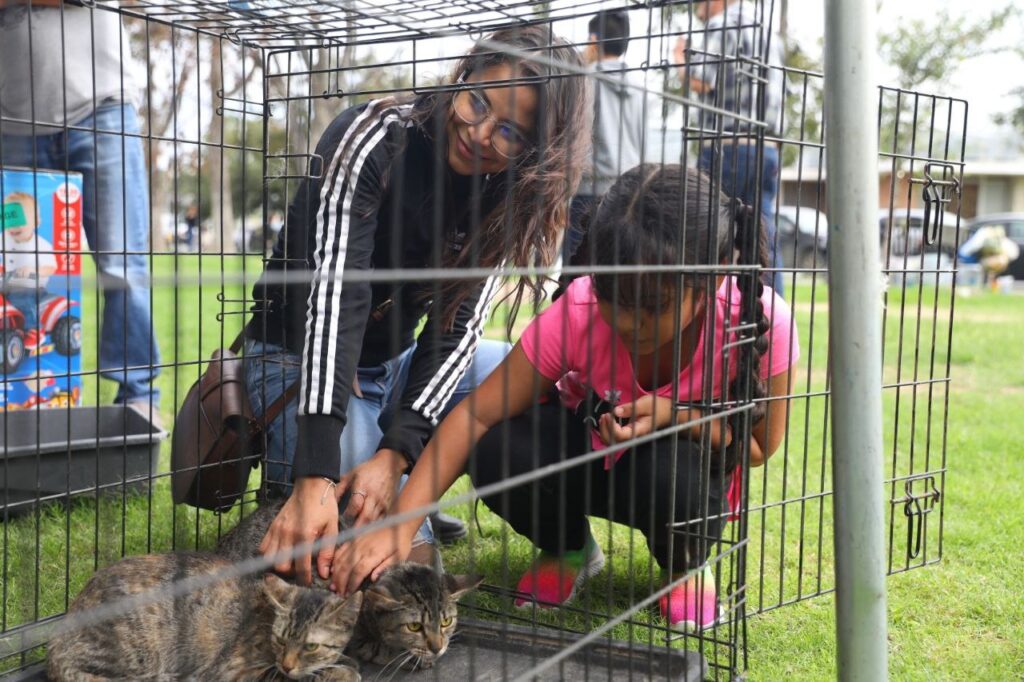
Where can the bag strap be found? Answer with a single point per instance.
(275, 408)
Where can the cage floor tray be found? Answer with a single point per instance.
(486, 651)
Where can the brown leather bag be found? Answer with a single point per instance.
(216, 440)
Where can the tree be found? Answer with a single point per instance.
(925, 54)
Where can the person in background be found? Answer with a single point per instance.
(713, 71)
(619, 119)
(66, 104)
(990, 248)
(191, 226)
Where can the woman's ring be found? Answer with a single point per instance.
(359, 492)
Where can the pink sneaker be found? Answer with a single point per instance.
(552, 580)
(692, 605)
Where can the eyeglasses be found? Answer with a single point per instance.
(507, 138)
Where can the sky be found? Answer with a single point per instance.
(984, 82)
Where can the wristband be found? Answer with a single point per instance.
(332, 485)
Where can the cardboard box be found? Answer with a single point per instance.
(41, 296)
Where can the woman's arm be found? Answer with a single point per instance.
(509, 390)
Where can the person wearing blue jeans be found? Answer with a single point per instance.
(716, 69)
(464, 181)
(65, 105)
(738, 165)
(106, 149)
(270, 370)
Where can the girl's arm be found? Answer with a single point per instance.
(510, 389)
(769, 432)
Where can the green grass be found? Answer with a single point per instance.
(957, 619)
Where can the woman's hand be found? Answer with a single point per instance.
(647, 414)
(369, 555)
(310, 513)
(372, 486)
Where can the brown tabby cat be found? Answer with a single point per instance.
(236, 629)
(409, 612)
(409, 616)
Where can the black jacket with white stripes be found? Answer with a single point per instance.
(386, 200)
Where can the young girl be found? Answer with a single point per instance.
(629, 354)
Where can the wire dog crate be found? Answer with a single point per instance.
(233, 97)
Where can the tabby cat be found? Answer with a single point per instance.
(236, 629)
(411, 610)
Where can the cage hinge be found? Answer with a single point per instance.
(241, 106)
(314, 166)
(916, 508)
(937, 192)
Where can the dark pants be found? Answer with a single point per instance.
(636, 491)
(738, 166)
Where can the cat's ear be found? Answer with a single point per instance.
(460, 585)
(277, 591)
(379, 598)
(346, 611)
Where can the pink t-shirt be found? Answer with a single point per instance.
(570, 343)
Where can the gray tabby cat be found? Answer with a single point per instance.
(236, 629)
(410, 611)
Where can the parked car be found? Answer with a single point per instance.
(1013, 225)
(802, 235)
(905, 234)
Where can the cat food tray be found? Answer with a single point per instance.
(48, 454)
(488, 652)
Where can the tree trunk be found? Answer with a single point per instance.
(222, 215)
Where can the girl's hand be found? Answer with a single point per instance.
(310, 513)
(647, 414)
(368, 555)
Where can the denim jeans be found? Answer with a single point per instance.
(739, 180)
(270, 369)
(115, 216)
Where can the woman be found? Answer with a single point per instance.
(479, 175)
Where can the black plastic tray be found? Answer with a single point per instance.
(53, 453)
(487, 651)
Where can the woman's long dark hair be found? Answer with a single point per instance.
(523, 230)
(669, 215)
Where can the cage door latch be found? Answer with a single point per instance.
(940, 185)
(916, 508)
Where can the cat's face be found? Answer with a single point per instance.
(415, 609)
(311, 627)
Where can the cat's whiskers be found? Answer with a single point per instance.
(398, 667)
(387, 665)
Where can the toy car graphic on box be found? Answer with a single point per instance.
(40, 295)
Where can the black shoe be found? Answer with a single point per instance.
(447, 529)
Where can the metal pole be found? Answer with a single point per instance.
(855, 336)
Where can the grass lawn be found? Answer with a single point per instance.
(958, 619)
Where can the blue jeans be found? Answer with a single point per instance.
(115, 215)
(739, 180)
(269, 370)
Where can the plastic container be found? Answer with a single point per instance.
(486, 650)
(51, 454)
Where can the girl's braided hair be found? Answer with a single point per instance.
(670, 215)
